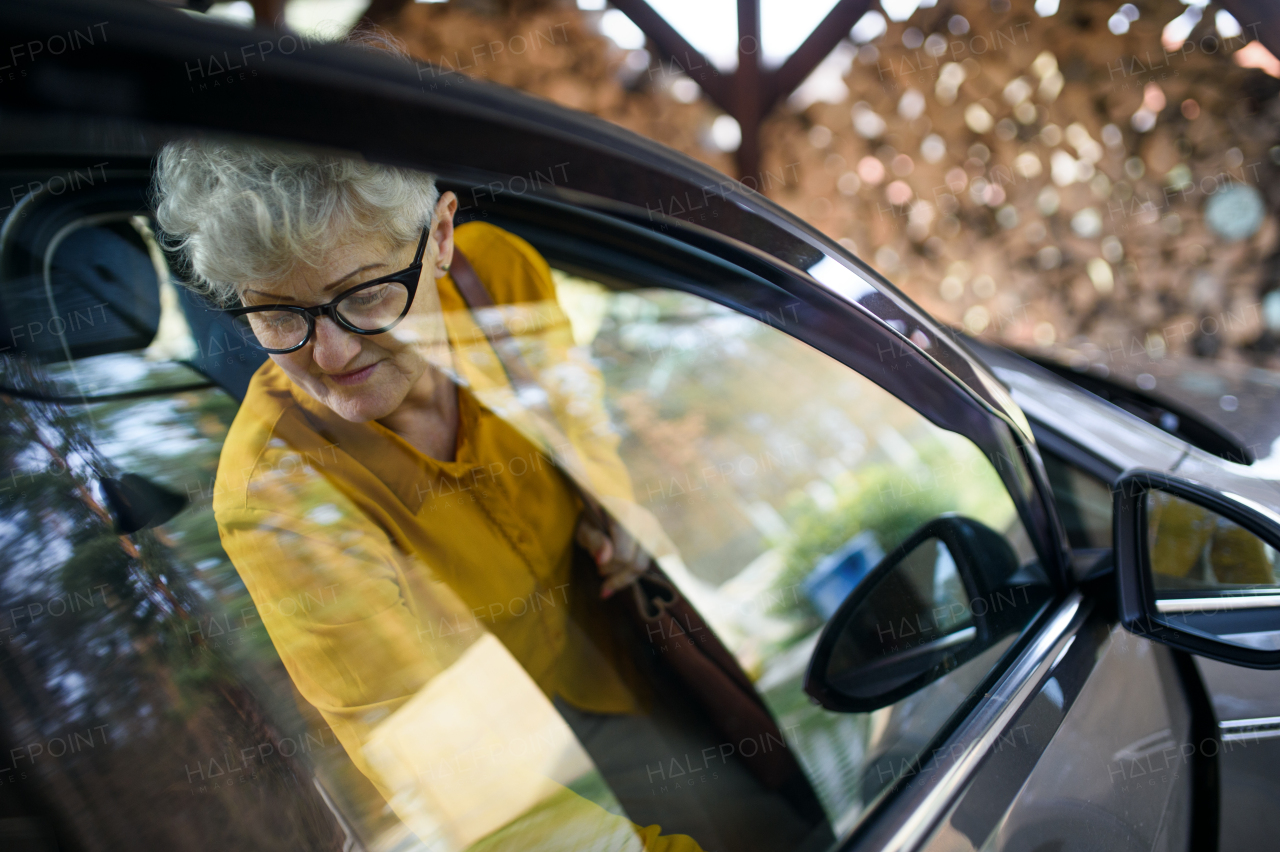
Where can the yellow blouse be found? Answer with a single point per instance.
(374, 567)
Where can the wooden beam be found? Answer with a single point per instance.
(819, 44)
(673, 46)
(751, 92)
(748, 84)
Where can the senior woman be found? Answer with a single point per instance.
(366, 483)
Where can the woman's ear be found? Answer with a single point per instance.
(442, 232)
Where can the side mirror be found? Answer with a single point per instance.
(946, 594)
(1198, 569)
(137, 503)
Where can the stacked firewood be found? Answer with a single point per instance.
(1045, 181)
(557, 52)
(1065, 183)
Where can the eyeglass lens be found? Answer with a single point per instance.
(369, 309)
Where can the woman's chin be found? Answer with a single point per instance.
(360, 405)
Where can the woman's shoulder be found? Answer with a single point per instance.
(252, 443)
(510, 268)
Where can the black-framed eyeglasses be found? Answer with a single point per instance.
(373, 307)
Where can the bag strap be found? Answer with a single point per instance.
(477, 297)
(471, 288)
(654, 594)
(523, 380)
(708, 669)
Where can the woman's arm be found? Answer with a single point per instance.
(420, 710)
(329, 597)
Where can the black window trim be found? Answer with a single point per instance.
(907, 820)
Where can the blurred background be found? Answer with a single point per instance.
(1084, 179)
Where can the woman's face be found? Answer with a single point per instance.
(367, 377)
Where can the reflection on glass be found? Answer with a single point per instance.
(914, 616)
(1193, 548)
(368, 625)
(782, 478)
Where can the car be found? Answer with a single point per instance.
(961, 592)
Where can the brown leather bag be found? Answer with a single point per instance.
(660, 614)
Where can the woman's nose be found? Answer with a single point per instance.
(333, 347)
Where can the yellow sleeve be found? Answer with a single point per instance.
(329, 597)
(1239, 557)
(441, 729)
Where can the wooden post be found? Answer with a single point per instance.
(268, 13)
(751, 93)
(748, 88)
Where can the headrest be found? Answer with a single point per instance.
(76, 278)
(221, 353)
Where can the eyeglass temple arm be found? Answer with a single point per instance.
(422, 243)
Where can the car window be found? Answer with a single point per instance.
(1083, 501)
(228, 599)
(782, 477)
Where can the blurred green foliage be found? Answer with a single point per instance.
(892, 502)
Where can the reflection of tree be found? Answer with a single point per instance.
(727, 418)
(871, 505)
(104, 642)
(673, 442)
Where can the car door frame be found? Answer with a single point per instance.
(903, 815)
(850, 312)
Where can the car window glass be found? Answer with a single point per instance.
(783, 477)
(1083, 501)
(89, 293)
(303, 618)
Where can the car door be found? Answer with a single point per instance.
(796, 419)
(824, 422)
(1037, 763)
(759, 483)
(1232, 704)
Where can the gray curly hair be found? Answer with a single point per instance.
(238, 212)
